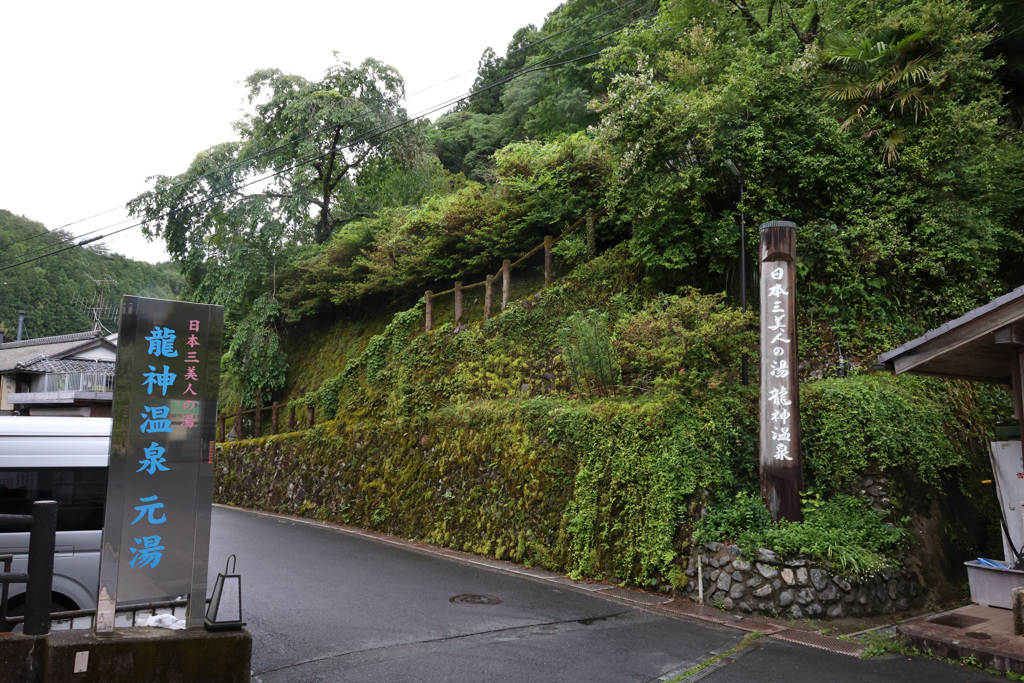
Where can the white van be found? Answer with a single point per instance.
(63, 459)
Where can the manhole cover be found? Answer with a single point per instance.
(475, 599)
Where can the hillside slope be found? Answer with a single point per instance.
(55, 291)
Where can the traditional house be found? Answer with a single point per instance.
(70, 375)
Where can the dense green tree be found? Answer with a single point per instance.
(254, 354)
(539, 188)
(892, 239)
(305, 152)
(539, 88)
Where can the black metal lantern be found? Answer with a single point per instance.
(225, 610)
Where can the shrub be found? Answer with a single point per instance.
(587, 348)
(685, 341)
(843, 533)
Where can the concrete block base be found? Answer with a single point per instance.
(130, 656)
(23, 658)
(1017, 598)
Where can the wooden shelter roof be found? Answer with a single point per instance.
(981, 345)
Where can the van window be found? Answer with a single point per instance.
(80, 493)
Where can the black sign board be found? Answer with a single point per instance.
(159, 497)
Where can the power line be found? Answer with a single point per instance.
(531, 44)
(530, 68)
(271, 150)
(355, 139)
(54, 253)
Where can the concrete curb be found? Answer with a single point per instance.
(942, 636)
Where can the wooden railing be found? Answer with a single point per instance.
(255, 427)
(505, 273)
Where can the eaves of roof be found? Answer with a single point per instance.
(15, 354)
(978, 345)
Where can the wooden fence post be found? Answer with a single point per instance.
(430, 306)
(591, 242)
(238, 423)
(506, 283)
(488, 295)
(220, 428)
(259, 422)
(273, 418)
(291, 418)
(310, 416)
(547, 261)
(458, 304)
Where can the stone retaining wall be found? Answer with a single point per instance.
(767, 584)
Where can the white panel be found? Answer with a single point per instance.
(1009, 473)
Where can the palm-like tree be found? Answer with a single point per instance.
(864, 73)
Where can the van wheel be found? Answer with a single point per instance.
(17, 609)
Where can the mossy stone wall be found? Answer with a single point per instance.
(599, 490)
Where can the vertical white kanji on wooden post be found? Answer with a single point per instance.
(781, 461)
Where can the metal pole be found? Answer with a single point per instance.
(745, 359)
(41, 543)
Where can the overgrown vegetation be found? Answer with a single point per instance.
(599, 481)
(593, 422)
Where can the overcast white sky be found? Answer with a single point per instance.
(98, 96)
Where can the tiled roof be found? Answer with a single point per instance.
(56, 365)
(977, 346)
(45, 341)
(15, 354)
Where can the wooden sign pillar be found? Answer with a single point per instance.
(781, 460)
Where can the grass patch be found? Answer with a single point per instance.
(715, 659)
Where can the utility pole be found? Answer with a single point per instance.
(99, 310)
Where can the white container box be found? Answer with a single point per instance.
(992, 586)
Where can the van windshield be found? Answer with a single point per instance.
(80, 493)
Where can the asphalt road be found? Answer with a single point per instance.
(325, 604)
